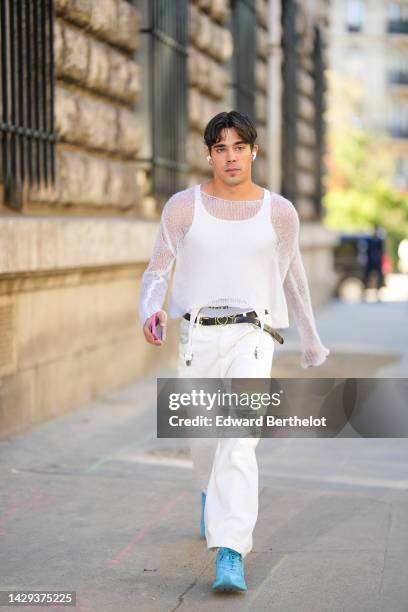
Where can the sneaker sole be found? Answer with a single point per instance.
(229, 589)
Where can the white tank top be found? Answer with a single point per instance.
(229, 261)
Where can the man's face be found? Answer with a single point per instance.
(232, 158)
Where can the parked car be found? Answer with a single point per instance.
(353, 263)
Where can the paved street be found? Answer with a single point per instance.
(94, 502)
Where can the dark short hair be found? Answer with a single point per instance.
(233, 119)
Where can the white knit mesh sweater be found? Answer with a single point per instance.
(176, 219)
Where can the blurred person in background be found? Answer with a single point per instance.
(374, 260)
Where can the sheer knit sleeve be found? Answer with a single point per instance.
(175, 220)
(313, 352)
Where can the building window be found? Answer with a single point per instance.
(164, 66)
(399, 121)
(401, 173)
(398, 69)
(244, 36)
(398, 17)
(354, 15)
(27, 97)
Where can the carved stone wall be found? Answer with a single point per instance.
(99, 133)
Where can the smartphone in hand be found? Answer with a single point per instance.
(156, 329)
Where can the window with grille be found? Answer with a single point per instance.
(398, 17)
(27, 97)
(290, 99)
(164, 65)
(244, 36)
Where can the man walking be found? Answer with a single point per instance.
(238, 266)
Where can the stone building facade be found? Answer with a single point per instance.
(72, 250)
(369, 52)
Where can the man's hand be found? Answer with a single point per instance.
(147, 328)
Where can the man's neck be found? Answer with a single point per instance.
(243, 191)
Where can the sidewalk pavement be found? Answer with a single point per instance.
(94, 502)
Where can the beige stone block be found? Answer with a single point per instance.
(262, 170)
(220, 10)
(262, 43)
(51, 388)
(227, 45)
(58, 42)
(63, 321)
(116, 21)
(122, 189)
(99, 67)
(305, 158)
(217, 81)
(306, 133)
(96, 181)
(262, 138)
(99, 123)
(133, 84)
(104, 18)
(96, 124)
(306, 108)
(204, 65)
(192, 66)
(61, 6)
(127, 31)
(8, 331)
(82, 11)
(215, 50)
(196, 152)
(75, 56)
(44, 244)
(119, 74)
(222, 45)
(305, 207)
(205, 5)
(306, 62)
(82, 178)
(67, 114)
(306, 183)
(262, 12)
(17, 403)
(204, 33)
(306, 83)
(124, 77)
(194, 22)
(207, 109)
(261, 76)
(194, 108)
(129, 132)
(261, 107)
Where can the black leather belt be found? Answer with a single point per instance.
(245, 317)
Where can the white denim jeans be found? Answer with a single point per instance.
(226, 468)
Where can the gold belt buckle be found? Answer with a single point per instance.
(226, 317)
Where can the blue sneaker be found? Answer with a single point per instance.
(202, 523)
(229, 571)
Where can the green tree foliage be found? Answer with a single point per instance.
(359, 193)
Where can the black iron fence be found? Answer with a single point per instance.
(27, 127)
(319, 122)
(166, 25)
(244, 36)
(290, 101)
